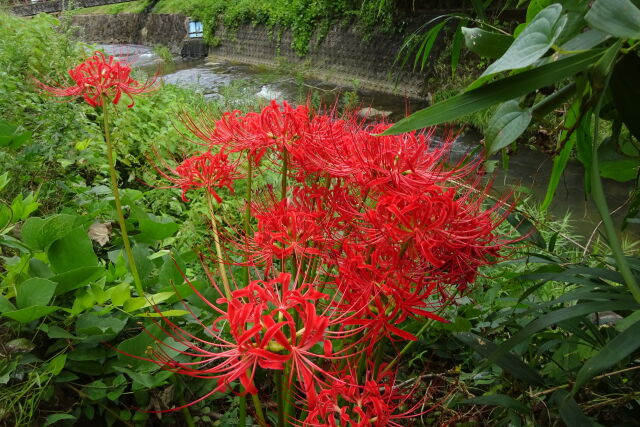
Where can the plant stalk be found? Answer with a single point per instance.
(116, 197)
(216, 240)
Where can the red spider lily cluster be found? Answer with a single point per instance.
(363, 234)
(100, 79)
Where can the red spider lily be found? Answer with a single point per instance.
(379, 402)
(99, 78)
(206, 170)
(265, 325)
(275, 127)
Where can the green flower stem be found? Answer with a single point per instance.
(258, 407)
(216, 240)
(242, 412)
(116, 196)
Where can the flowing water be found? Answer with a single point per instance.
(527, 170)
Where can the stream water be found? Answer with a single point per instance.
(527, 169)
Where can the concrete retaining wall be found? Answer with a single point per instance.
(342, 57)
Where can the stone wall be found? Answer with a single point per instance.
(53, 6)
(133, 28)
(342, 57)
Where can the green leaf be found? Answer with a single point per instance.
(498, 400)
(153, 228)
(586, 40)
(621, 170)
(72, 252)
(119, 294)
(6, 215)
(456, 47)
(427, 45)
(506, 125)
(54, 418)
(569, 410)
(505, 360)
(579, 310)
(617, 349)
(625, 88)
(134, 304)
(93, 328)
(77, 278)
(620, 18)
(39, 233)
(559, 164)
(30, 314)
(496, 92)
(167, 313)
(35, 291)
(487, 44)
(533, 42)
(535, 7)
(5, 305)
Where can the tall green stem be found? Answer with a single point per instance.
(599, 199)
(216, 240)
(258, 407)
(242, 416)
(116, 197)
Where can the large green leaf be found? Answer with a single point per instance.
(506, 125)
(496, 92)
(498, 400)
(534, 41)
(625, 88)
(76, 278)
(39, 233)
(612, 353)
(485, 43)
(620, 18)
(153, 228)
(585, 40)
(569, 410)
(505, 360)
(29, 314)
(35, 291)
(72, 251)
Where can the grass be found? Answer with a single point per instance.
(136, 6)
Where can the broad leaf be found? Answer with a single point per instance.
(620, 18)
(77, 278)
(39, 233)
(617, 349)
(72, 252)
(533, 42)
(35, 291)
(485, 43)
(506, 125)
(30, 314)
(496, 92)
